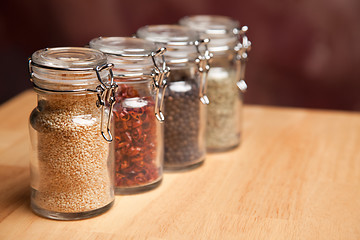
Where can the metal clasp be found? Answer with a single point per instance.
(30, 69)
(203, 62)
(242, 48)
(106, 96)
(160, 76)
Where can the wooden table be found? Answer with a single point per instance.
(296, 176)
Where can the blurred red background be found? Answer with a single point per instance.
(305, 53)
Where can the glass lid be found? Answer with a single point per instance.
(210, 24)
(69, 58)
(167, 34)
(123, 46)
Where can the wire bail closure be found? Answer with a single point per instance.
(160, 76)
(203, 62)
(242, 48)
(105, 93)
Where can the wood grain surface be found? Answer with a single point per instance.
(295, 176)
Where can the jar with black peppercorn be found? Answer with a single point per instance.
(71, 165)
(226, 84)
(137, 112)
(185, 98)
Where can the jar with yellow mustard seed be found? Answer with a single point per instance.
(72, 162)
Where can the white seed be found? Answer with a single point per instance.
(72, 157)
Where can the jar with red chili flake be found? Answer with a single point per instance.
(185, 98)
(137, 115)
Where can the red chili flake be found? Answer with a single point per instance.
(137, 134)
(124, 116)
(136, 123)
(135, 140)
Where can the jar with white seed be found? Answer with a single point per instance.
(71, 163)
(225, 84)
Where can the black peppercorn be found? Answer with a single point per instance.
(185, 122)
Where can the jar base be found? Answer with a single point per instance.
(179, 168)
(138, 189)
(221, 149)
(69, 216)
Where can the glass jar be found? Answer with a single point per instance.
(71, 164)
(226, 85)
(137, 113)
(185, 97)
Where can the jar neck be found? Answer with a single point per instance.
(183, 73)
(182, 66)
(131, 65)
(67, 101)
(135, 89)
(145, 80)
(220, 46)
(227, 56)
(179, 54)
